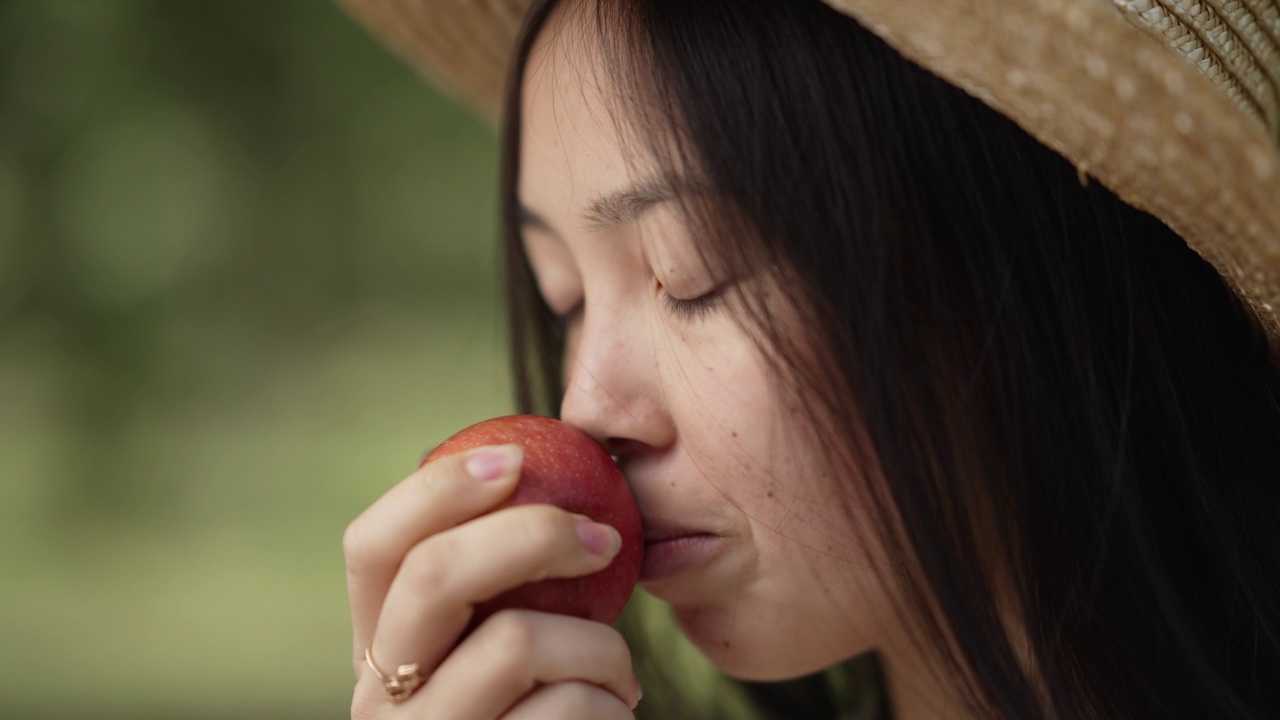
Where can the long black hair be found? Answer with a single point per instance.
(1068, 424)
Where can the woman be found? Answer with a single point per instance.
(884, 372)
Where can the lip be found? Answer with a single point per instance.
(657, 530)
(674, 552)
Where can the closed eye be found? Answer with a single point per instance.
(691, 309)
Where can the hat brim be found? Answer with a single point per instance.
(1123, 107)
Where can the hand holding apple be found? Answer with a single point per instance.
(566, 468)
(431, 562)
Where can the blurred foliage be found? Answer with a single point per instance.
(246, 277)
(202, 177)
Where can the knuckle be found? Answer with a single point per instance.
(515, 634)
(357, 549)
(578, 699)
(544, 528)
(617, 644)
(424, 566)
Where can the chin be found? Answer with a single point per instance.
(756, 651)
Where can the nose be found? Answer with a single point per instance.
(613, 386)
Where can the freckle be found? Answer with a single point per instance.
(725, 643)
(770, 493)
(734, 434)
(673, 483)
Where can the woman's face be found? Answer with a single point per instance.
(766, 580)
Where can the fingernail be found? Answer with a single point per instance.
(639, 690)
(493, 463)
(599, 539)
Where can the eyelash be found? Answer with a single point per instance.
(684, 310)
(693, 309)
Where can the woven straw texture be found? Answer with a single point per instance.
(1172, 104)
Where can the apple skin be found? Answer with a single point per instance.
(564, 467)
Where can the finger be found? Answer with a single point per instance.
(438, 496)
(570, 701)
(514, 652)
(370, 699)
(443, 577)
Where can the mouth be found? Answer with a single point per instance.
(671, 547)
(671, 550)
(658, 530)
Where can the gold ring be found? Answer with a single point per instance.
(400, 686)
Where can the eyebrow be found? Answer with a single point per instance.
(609, 211)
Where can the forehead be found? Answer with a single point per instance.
(570, 140)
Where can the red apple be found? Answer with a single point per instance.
(563, 466)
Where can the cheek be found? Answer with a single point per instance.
(572, 336)
(753, 443)
(736, 427)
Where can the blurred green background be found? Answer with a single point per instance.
(247, 276)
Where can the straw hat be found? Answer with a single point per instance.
(1172, 104)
